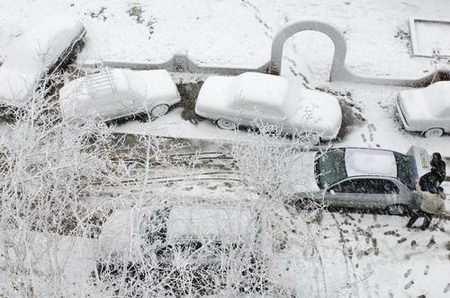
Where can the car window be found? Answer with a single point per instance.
(367, 186)
(330, 167)
(382, 186)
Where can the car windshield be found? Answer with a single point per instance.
(405, 169)
(330, 167)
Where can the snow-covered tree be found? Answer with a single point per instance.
(49, 167)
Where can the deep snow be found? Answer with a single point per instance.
(392, 260)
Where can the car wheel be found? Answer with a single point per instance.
(159, 111)
(226, 124)
(142, 117)
(397, 209)
(305, 204)
(433, 132)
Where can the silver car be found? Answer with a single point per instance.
(366, 178)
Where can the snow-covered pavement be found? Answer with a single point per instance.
(389, 260)
(235, 32)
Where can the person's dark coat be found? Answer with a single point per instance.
(438, 166)
(429, 181)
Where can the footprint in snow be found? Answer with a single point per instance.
(363, 136)
(408, 285)
(427, 269)
(407, 273)
(431, 242)
(372, 127)
(371, 137)
(447, 288)
(447, 245)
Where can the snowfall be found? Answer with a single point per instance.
(398, 262)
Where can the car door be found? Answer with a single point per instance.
(361, 193)
(250, 115)
(341, 194)
(445, 121)
(115, 105)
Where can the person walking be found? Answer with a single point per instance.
(431, 204)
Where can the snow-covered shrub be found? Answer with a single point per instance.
(271, 166)
(49, 167)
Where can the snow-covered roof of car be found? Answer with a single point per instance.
(222, 224)
(262, 90)
(156, 84)
(361, 161)
(41, 46)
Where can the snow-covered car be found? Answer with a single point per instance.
(118, 93)
(362, 178)
(251, 98)
(426, 110)
(202, 236)
(36, 53)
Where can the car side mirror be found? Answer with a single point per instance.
(331, 191)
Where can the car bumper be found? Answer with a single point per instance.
(329, 136)
(406, 125)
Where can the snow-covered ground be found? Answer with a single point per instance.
(234, 32)
(387, 259)
(392, 260)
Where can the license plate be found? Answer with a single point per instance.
(424, 160)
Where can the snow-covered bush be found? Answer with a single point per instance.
(48, 169)
(271, 165)
(66, 182)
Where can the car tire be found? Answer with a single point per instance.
(159, 111)
(434, 132)
(305, 204)
(226, 124)
(142, 117)
(397, 209)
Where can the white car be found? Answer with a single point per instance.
(426, 110)
(36, 53)
(251, 98)
(119, 93)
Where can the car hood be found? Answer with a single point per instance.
(303, 171)
(319, 112)
(421, 160)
